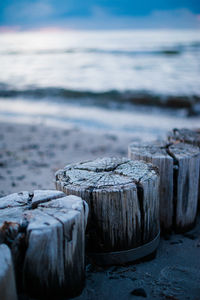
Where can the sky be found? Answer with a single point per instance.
(92, 14)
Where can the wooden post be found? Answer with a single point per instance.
(45, 231)
(184, 135)
(7, 279)
(123, 199)
(179, 175)
(188, 136)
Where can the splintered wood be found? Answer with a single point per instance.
(179, 175)
(45, 231)
(123, 199)
(7, 279)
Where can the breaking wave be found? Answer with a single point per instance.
(135, 97)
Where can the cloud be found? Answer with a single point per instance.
(101, 19)
(29, 12)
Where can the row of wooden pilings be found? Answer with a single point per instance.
(126, 202)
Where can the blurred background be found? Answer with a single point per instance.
(114, 65)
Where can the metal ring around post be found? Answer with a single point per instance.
(127, 256)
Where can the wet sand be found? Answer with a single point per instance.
(29, 157)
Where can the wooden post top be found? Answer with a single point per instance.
(105, 173)
(185, 135)
(30, 209)
(163, 149)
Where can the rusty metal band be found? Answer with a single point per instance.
(127, 256)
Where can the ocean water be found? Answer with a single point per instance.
(106, 68)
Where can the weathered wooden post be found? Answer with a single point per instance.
(179, 174)
(45, 231)
(7, 279)
(185, 135)
(122, 195)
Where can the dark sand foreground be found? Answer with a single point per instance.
(29, 157)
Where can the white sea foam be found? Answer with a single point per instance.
(61, 78)
(159, 62)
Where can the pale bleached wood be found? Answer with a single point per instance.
(46, 233)
(185, 135)
(123, 199)
(7, 279)
(188, 136)
(156, 154)
(187, 159)
(178, 166)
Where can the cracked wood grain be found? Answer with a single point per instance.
(123, 199)
(47, 239)
(179, 174)
(187, 136)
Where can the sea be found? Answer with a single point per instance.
(110, 80)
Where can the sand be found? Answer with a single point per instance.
(30, 154)
(29, 157)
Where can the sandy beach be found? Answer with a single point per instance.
(80, 81)
(31, 154)
(29, 157)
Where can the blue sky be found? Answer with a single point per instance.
(100, 13)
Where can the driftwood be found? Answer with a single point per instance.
(7, 280)
(123, 200)
(45, 231)
(179, 174)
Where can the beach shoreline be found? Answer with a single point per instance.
(31, 154)
(29, 157)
